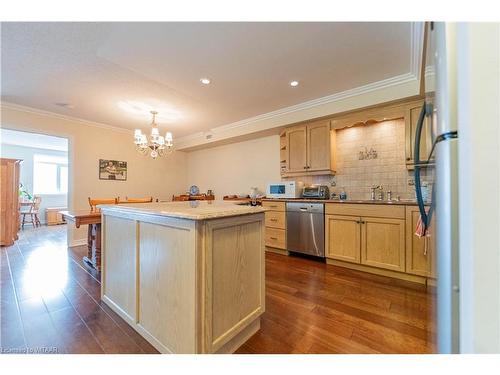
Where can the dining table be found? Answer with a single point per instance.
(92, 218)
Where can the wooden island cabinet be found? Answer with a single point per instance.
(187, 276)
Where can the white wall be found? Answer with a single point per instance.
(235, 168)
(478, 47)
(88, 143)
(26, 173)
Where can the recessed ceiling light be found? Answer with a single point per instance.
(294, 83)
(205, 81)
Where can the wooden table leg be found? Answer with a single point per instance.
(93, 257)
(97, 246)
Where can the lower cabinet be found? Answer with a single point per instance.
(380, 239)
(343, 238)
(376, 242)
(275, 238)
(275, 220)
(420, 251)
(383, 243)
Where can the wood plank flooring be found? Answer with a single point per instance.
(50, 304)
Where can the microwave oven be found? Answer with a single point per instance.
(284, 189)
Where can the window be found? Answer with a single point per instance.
(50, 174)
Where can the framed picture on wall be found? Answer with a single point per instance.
(112, 170)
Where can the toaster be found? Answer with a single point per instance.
(316, 192)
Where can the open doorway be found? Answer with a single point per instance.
(43, 175)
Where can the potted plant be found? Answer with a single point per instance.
(23, 193)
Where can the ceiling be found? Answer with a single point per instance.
(46, 142)
(114, 73)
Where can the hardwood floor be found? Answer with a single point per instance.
(50, 304)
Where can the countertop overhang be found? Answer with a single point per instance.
(191, 210)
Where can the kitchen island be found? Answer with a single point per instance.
(187, 276)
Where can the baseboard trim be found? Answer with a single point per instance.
(378, 271)
(277, 251)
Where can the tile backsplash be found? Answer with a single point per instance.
(371, 155)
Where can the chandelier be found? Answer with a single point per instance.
(157, 145)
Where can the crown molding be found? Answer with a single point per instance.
(41, 112)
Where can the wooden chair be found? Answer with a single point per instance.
(94, 202)
(136, 200)
(182, 197)
(32, 213)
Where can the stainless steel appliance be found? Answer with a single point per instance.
(442, 113)
(305, 224)
(284, 189)
(316, 192)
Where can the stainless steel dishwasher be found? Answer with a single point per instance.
(305, 228)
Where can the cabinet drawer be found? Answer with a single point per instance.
(371, 210)
(276, 219)
(273, 205)
(276, 238)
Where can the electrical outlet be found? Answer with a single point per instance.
(411, 182)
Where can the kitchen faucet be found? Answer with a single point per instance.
(380, 194)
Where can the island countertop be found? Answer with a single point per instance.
(192, 210)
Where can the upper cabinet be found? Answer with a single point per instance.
(412, 113)
(308, 149)
(296, 145)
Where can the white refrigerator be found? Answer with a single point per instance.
(441, 110)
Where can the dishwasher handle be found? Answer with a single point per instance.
(317, 208)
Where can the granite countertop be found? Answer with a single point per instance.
(192, 210)
(402, 202)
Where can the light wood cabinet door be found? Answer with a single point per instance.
(383, 243)
(274, 206)
(119, 262)
(276, 219)
(343, 238)
(276, 238)
(318, 146)
(296, 149)
(420, 251)
(411, 120)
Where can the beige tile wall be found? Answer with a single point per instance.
(358, 176)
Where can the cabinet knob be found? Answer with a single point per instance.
(408, 159)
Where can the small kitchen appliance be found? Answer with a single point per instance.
(284, 189)
(316, 192)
